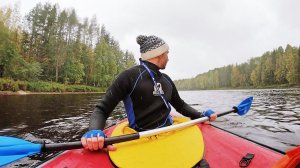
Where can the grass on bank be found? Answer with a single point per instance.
(41, 86)
(279, 86)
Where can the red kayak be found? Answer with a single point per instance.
(222, 149)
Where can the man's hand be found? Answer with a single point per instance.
(94, 140)
(211, 114)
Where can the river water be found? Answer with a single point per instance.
(274, 119)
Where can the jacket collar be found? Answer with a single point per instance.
(151, 66)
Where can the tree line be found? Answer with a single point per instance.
(280, 67)
(53, 44)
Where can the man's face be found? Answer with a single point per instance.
(164, 60)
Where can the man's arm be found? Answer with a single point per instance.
(94, 139)
(99, 116)
(114, 94)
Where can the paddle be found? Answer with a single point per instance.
(12, 149)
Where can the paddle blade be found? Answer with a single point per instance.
(12, 149)
(244, 106)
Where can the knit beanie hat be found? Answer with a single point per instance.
(151, 46)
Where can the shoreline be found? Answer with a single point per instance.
(21, 92)
(249, 88)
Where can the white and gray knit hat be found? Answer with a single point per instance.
(151, 46)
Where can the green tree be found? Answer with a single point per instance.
(100, 67)
(9, 57)
(5, 57)
(281, 71)
(55, 45)
(236, 77)
(298, 66)
(73, 71)
(292, 65)
(268, 68)
(87, 60)
(255, 73)
(128, 60)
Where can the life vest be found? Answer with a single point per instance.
(290, 160)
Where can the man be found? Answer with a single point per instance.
(146, 92)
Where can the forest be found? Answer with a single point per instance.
(50, 48)
(56, 45)
(277, 68)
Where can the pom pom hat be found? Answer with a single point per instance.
(151, 46)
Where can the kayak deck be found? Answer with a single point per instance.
(81, 158)
(222, 149)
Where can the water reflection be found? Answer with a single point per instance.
(52, 118)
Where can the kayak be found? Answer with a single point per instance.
(184, 144)
(221, 149)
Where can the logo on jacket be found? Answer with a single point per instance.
(158, 90)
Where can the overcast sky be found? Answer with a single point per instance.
(202, 34)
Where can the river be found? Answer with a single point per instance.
(274, 119)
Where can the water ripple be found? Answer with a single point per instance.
(274, 118)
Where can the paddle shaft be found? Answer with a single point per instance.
(78, 145)
(129, 137)
(228, 112)
(178, 126)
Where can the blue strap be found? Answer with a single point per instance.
(160, 94)
(94, 133)
(155, 85)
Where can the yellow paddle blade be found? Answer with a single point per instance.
(177, 149)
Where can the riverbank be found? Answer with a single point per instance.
(12, 87)
(21, 92)
(283, 86)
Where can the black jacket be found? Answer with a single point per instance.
(144, 110)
